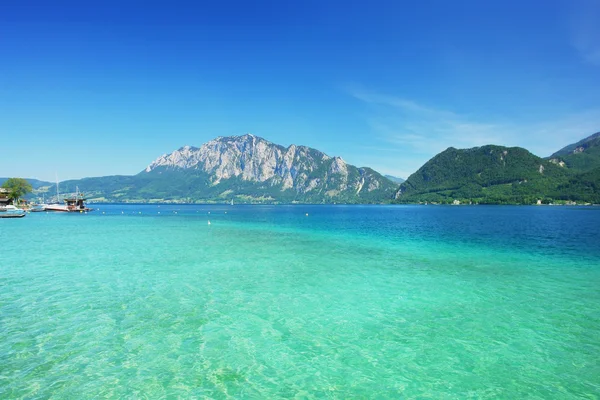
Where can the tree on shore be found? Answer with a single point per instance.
(17, 187)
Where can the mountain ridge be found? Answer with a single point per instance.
(579, 146)
(581, 156)
(248, 168)
(253, 170)
(494, 174)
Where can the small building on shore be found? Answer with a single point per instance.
(5, 197)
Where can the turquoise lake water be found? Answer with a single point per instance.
(267, 302)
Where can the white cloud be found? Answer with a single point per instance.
(418, 132)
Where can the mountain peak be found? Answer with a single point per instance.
(182, 158)
(244, 137)
(247, 160)
(187, 148)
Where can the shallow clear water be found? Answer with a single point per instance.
(267, 302)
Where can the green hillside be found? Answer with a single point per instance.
(581, 156)
(495, 175)
(580, 187)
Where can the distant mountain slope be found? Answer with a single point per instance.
(247, 168)
(35, 183)
(394, 179)
(487, 174)
(582, 156)
(590, 141)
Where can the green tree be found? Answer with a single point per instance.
(18, 187)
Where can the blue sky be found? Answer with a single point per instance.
(102, 88)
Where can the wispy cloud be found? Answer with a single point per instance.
(585, 30)
(405, 122)
(417, 132)
(408, 105)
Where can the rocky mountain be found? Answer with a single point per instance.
(252, 158)
(490, 174)
(245, 168)
(581, 156)
(250, 169)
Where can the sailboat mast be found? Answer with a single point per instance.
(57, 193)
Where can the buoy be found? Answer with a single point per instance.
(209, 222)
(307, 214)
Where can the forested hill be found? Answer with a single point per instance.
(581, 156)
(495, 175)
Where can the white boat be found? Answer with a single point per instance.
(56, 207)
(38, 208)
(72, 204)
(11, 211)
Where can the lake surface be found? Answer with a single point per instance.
(267, 302)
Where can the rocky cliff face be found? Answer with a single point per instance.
(300, 169)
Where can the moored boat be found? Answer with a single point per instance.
(75, 203)
(72, 204)
(56, 207)
(11, 211)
